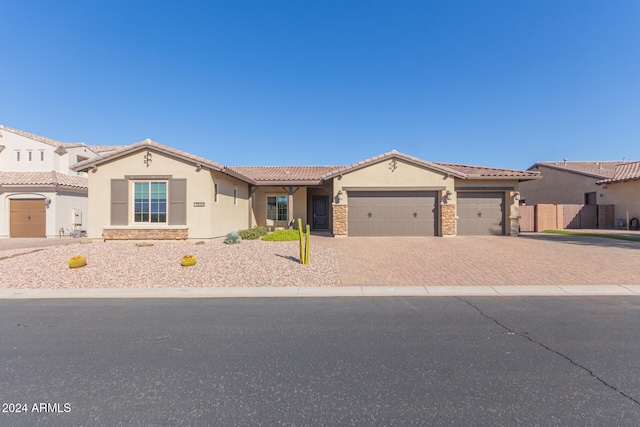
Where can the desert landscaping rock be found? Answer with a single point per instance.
(125, 265)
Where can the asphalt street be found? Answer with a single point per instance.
(321, 361)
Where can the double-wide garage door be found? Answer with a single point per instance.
(392, 213)
(480, 214)
(28, 218)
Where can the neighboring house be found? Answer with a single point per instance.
(567, 182)
(40, 195)
(623, 190)
(151, 191)
(613, 183)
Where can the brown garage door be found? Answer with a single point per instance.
(480, 214)
(382, 213)
(28, 218)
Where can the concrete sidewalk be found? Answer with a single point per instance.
(345, 291)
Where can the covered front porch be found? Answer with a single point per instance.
(279, 207)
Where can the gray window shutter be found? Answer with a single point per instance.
(177, 202)
(119, 202)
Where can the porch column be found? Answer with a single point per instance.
(290, 191)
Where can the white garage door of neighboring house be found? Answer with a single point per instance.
(480, 214)
(392, 213)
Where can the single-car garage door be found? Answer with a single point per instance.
(392, 213)
(480, 214)
(28, 218)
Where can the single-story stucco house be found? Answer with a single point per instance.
(152, 191)
(609, 183)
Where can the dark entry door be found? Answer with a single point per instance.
(320, 212)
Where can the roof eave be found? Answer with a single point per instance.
(275, 182)
(565, 169)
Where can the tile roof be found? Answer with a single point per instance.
(147, 143)
(486, 172)
(594, 169)
(284, 174)
(42, 139)
(43, 178)
(629, 171)
(457, 170)
(390, 155)
(99, 149)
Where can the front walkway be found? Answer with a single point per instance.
(538, 259)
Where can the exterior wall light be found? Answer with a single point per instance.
(339, 196)
(516, 196)
(448, 195)
(47, 202)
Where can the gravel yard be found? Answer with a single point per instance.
(252, 263)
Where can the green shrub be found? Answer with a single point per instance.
(232, 238)
(282, 236)
(253, 233)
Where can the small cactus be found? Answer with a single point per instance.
(232, 238)
(304, 243)
(77, 262)
(188, 261)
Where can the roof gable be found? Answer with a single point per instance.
(148, 144)
(42, 139)
(341, 170)
(593, 169)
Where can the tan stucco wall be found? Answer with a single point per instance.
(558, 187)
(624, 195)
(212, 220)
(260, 205)
(380, 175)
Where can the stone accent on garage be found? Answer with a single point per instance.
(145, 234)
(448, 219)
(339, 220)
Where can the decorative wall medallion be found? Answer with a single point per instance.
(147, 158)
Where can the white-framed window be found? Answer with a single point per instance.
(30, 155)
(277, 207)
(235, 196)
(150, 202)
(17, 155)
(42, 155)
(215, 192)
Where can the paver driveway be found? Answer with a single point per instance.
(538, 259)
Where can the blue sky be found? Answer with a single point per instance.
(494, 83)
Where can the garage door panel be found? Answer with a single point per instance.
(480, 213)
(392, 213)
(28, 218)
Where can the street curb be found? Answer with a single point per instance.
(312, 292)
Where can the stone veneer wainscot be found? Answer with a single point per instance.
(145, 234)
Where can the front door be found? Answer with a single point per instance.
(320, 212)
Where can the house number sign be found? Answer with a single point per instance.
(198, 204)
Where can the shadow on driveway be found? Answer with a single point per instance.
(583, 240)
